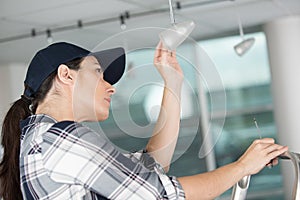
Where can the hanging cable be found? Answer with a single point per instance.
(240, 26)
(171, 12)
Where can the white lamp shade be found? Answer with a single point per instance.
(242, 47)
(174, 36)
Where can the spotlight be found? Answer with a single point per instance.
(178, 5)
(33, 32)
(127, 14)
(177, 33)
(122, 21)
(79, 24)
(242, 47)
(49, 36)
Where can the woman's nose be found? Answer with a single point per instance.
(111, 90)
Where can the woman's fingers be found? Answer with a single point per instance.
(158, 50)
(164, 57)
(273, 152)
(269, 148)
(276, 150)
(261, 153)
(167, 65)
(162, 51)
(272, 163)
(173, 53)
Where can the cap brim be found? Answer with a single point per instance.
(113, 62)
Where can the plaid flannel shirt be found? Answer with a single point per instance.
(67, 160)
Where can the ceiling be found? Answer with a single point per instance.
(101, 24)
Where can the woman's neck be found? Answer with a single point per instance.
(58, 108)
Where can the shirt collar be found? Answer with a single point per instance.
(34, 119)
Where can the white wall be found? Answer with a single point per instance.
(284, 47)
(11, 86)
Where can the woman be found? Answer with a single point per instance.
(58, 158)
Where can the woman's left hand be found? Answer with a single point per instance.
(261, 153)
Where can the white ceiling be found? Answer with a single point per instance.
(212, 18)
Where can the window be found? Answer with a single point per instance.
(246, 82)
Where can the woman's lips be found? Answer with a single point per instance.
(108, 99)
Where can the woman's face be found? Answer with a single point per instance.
(92, 94)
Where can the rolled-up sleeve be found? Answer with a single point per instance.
(171, 185)
(75, 154)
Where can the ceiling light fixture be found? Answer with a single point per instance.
(127, 15)
(79, 24)
(242, 47)
(33, 32)
(49, 36)
(122, 22)
(177, 33)
(178, 5)
(122, 19)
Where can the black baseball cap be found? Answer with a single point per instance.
(47, 60)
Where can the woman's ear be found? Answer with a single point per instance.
(65, 74)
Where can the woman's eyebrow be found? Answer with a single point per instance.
(98, 65)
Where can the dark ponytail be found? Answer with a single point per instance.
(9, 166)
(10, 188)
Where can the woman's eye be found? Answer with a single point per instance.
(99, 70)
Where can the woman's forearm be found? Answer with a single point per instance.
(211, 184)
(163, 141)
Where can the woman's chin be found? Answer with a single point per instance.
(102, 116)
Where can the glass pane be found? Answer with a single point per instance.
(135, 108)
(247, 84)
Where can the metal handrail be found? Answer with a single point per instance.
(240, 189)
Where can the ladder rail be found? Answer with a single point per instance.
(240, 189)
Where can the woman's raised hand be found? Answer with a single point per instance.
(167, 64)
